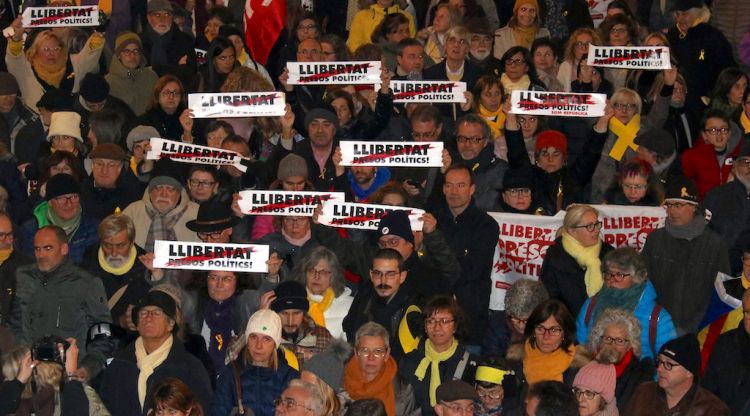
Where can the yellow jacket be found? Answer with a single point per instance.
(365, 22)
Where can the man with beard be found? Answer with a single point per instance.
(10, 260)
(365, 180)
(480, 47)
(167, 50)
(299, 332)
(730, 208)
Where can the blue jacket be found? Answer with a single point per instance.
(84, 238)
(665, 330)
(260, 387)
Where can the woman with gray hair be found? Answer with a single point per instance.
(626, 287)
(616, 339)
(507, 327)
(323, 277)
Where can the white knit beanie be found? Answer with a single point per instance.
(266, 322)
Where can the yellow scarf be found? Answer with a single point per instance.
(625, 136)
(147, 363)
(51, 74)
(118, 271)
(539, 366)
(318, 309)
(745, 121)
(5, 254)
(432, 359)
(588, 258)
(495, 119)
(745, 282)
(525, 36)
(510, 86)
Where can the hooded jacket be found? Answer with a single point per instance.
(365, 22)
(133, 86)
(701, 165)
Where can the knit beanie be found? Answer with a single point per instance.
(124, 39)
(600, 378)
(292, 165)
(290, 295)
(265, 322)
(61, 184)
(520, 3)
(94, 88)
(552, 138)
(685, 351)
(329, 364)
(396, 223)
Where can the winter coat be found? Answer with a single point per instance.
(452, 111)
(700, 164)
(260, 387)
(504, 39)
(732, 18)
(500, 334)
(180, 45)
(665, 329)
(168, 125)
(137, 212)
(696, 262)
(367, 20)
(649, 399)
(119, 389)
(73, 400)
(101, 202)
(730, 207)
(336, 313)
(134, 87)
(8, 283)
(25, 136)
(727, 374)
(564, 278)
(79, 243)
(325, 180)
(636, 373)
(488, 171)
(576, 13)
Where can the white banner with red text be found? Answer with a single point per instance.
(560, 104)
(629, 57)
(193, 153)
(68, 16)
(287, 203)
(237, 104)
(250, 258)
(361, 153)
(333, 73)
(364, 216)
(428, 91)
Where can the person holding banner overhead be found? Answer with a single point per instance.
(576, 49)
(618, 30)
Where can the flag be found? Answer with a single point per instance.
(264, 22)
(723, 314)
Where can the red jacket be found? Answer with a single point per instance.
(700, 164)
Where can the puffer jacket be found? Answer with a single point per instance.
(134, 87)
(79, 243)
(700, 164)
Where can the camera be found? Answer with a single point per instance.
(50, 349)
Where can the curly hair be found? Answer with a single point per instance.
(627, 259)
(524, 296)
(622, 319)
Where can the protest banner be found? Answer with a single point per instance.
(524, 239)
(364, 216)
(629, 57)
(362, 153)
(333, 73)
(237, 104)
(428, 91)
(561, 104)
(287, 203)
(193, 153)
(63, 16)
(200, 56)
(250, 258)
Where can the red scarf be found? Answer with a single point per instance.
(624, 363)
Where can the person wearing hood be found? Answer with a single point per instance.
(685, 247)
(129, 78)
(366, 180)
(517, 195)
(367, 20)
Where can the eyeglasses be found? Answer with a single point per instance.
(201, 184)
(131, 52)
(588, 394)
(426, 135)
(223, 279)
(617, 30)
(319, 273)
(441, 321)
(715, 131)
(634, 187)
(154, 313)
(677, 205)
(745, 163)
(67, 199)
(617, 341)
(519, 321)
(211, 234)
(620, 106)
(580, 44)
(306, 27)
(616, 276)
(519, 191)
(287, 403)
(389, 275)
(541, 330)
(100, 164)
(515, 62)
(3, 236)
(667, 365)
(457, 408)
(594, 226)
(377, 352)
(55, 49)
(456, 40)
(170, 93)
(389, 242)
(225, 57)
(493, 396)
(469, 140)
(295, 221)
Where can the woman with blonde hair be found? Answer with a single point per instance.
(575, 49)
(522, 29)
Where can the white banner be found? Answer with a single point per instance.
(419, 154)
(562, 104)
(364, 216)
(333, 73)
(524, 239)
(68, 16)
(200, 56)
(250, 258)
(428, 91)
(287, 203)
(237, 104)
(193, 153)
(629, 57)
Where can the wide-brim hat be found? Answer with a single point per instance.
(213, 215)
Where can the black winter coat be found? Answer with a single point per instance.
(727, 374)
(8, 283)
(730, 205)
(101, 202)
(635, 373)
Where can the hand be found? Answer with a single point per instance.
(18, 29)
(410, 189)
(429, 223)
(274, 264)
(236, 205)
(26, 368)
(447, 161)
(287, 120)
(71, 356)
(284, 79)
(182, 60)
(385, 81)
(317, 213)
(469, 101)
(670, 76)
(148, 261)
(126, 319)
(336, 159)
(82, 375)
(186, 121)
(602, 123)
(266, 299)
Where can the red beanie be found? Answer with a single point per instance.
(552, 138)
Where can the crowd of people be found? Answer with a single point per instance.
(394, 321)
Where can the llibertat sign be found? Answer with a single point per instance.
(560, 104)
(237, 104)
(193, 153)
(428, 91)
(364, 216)
(629, 57)
(68, 16)
(364, 153)
(249, 258)
(334, 73)
(286, 203)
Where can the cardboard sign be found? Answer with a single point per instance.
(420, 154)
(333, 73)
(237, 104)
(200, 56)
(77, 16)
(428, 91)
(629, 57)
(524, 240)
(193, 153)
(287, 203)
(562, 104)
(364, 216)
(249, 258)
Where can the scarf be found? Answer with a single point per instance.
(625, 136)
(611, 298)
(539, 366)
(745, 282)
(745, 121)
(624, 363)
(162, 225)
(432, 359)
(588, 258)
(218, 317)
(525, 35)
(118, 271)
(381, 388)
(51, 74)
(495, 119)
(298, 242)
(5, 254)
(147, 363)
(69, 226)
(509, 86)
(318, 308)
(159, 45)
(688, 231)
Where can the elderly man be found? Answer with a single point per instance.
(111, 187)
(167, 49)
(372, 373)
(155, 355)
(54, 297)
(164, 210)
(214, 222)
(10, 260)
(724, 375)
(21, 129)
(685, 247)
(455, 398)
(480, 47)
(129, 78)
(62, 207)
(676, 391)
(300, 399)
(304, 98)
